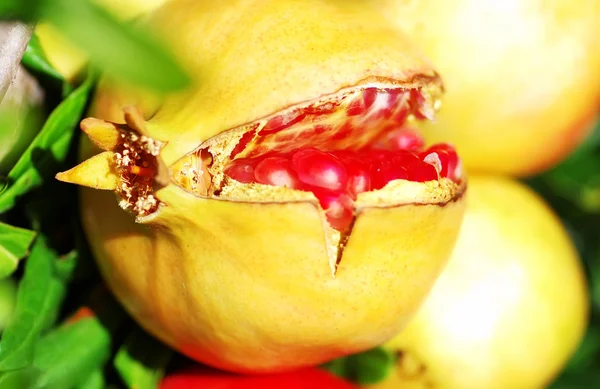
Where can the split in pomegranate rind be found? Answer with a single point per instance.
(343, 145)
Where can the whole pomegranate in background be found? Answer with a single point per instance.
(200, 377)
(280, 212)
(510, 307)
(522, 77)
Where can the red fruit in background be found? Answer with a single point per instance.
(206, 378)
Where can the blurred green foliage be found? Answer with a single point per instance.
(42, 348)
(126, 52)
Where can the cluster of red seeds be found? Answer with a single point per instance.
(337, 177)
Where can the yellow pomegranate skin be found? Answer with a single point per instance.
(510, 307)
(247, 285)
(522, 77)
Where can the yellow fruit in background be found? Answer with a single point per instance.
(509, 309)
(522, 77)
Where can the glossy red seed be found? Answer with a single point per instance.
(422, 172)
(357, 107)
(276, 171)
(281, 122)
(241, 170)
(362, 103)
(359, 177)
(404, 139)
(395, 96)
(401, 114)
(320, 169)
(448, 159)
(417, 100)
(339, 209)
(384, 171)
(359, 180)
(369, 96)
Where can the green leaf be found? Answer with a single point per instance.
(14, 244)
(38, 302)
(21, 9)
(21, 379)
(587, 380)
(366, 368)
(94, 381)
(35, 60)
(49, 147)
(141, 361)
(116, 48)
(71, 353)
(66, 265)
(8, 298)
(577, 179)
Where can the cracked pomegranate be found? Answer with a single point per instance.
(277, 209)
(522, 76)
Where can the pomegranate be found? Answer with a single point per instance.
(522, 76)
(278, 208)
(510, 307)
(200, 377)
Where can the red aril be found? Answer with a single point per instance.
(241, 170)
(423, 172)
(337, 177)
(323, 170)
(448, 159)
(339, 208)
(276, 171)
(405, 139)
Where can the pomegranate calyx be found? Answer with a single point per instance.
(130, 164)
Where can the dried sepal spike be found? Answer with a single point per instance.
(97, 172)
(104, 134)
(135, 120)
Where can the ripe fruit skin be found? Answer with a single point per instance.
(511, 305)
(522, 77)
(247, 285)
(200, 377)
